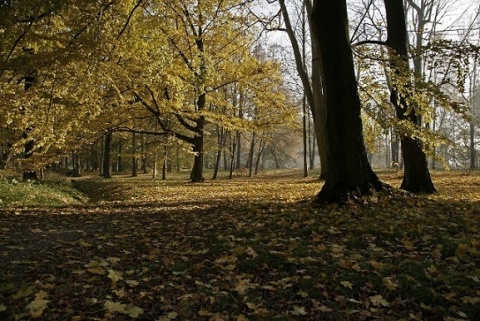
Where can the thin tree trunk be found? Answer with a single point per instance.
(107, 163)
(119, 157)
(134, 156)
(220, 145)
(155, 163)
(164, 164)
(232, 158)
(261, 147)
(250, 155)
(313, 90)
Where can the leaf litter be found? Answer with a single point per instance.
(247, 249)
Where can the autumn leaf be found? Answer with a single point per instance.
(24, 292)
(297, 310)
(114, 276)
(378, 300)
(38, 305)
(169, 316)
(390, 283)
(96, 270)
(132, 311)
(347, 284)
(3, 308)
(243, 285)
(132, 283)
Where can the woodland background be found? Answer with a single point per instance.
(160, 160)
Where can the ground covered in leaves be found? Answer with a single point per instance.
(244, 249)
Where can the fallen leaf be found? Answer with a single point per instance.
(297, 310)
(96, 270)
(378, 300)
(114, 276)
(38, 305)
(132, 283)
(347, 284)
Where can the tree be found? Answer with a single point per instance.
(416, 176)
(208, 41)
(311, 85)
(349, 172)
(59, 47)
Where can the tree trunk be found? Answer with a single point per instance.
(273, 151)
(261, 147)
(144, 155)
(232, 158)
(348, 169)
(250, 155)
(29, 174)
(6, 154)
(416, 177)
(76, 164)
(134, 156)
(196, 174)
(119, 157)
(473, 153)
(220, 145)
(107, 161)
(164, 163)
(155, 164)
(312, 91)
(395, 146)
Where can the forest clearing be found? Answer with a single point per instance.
(243, 249)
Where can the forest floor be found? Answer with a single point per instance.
(243, 249)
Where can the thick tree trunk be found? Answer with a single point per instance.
(348, 169)
(107, 152)
(416, 177)
(197, 170)
(319, 111)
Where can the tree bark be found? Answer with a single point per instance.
(119, 157)
(416, 177)
(250, 155)
(107, 159)
(313, 91)
(76, 164)
(349, 172)
(134, 156)
(220, 145)
(164, 163)
(197, 170)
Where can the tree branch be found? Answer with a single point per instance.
(370, 42)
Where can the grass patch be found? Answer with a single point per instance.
(15, 193)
